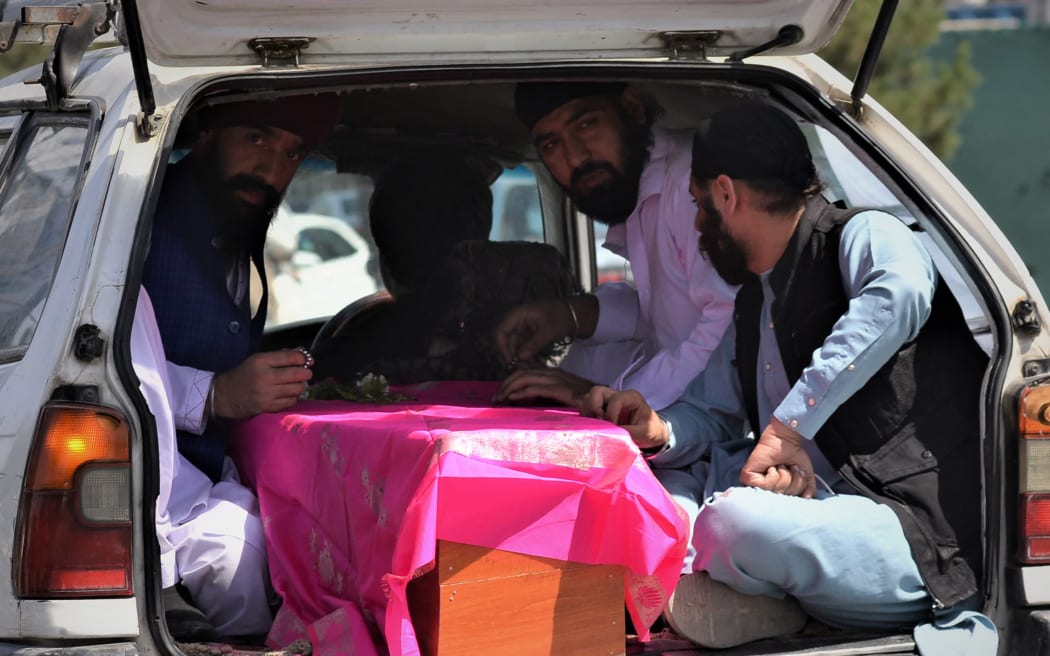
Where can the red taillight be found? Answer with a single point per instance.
(1034, 479)
(74, 522)
(1035, 509)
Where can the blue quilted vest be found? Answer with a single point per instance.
(200, 324)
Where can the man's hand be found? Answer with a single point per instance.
(265, 382)
(779, 463)
(550, 383)
(629, 410)
(528, 328)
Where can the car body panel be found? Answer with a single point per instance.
(88, 289)
(469, 30)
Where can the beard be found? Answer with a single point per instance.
(240, 225)
(720, 248)
(612, 201)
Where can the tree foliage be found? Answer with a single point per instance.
(930, 97)
(20, 56)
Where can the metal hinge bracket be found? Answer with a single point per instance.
(8, 31)
(77, 29)
(1024, 317)
(277, 52)
(690, 45)
(149, 125)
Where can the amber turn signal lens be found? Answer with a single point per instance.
(71, 436)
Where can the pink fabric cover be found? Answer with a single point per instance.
(354, 495)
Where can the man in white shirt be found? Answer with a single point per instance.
(207, 234)
(598, 142)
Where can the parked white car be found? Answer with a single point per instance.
(89, 137)
(320, 265)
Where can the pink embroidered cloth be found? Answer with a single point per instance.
(353, 497)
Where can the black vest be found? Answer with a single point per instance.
(200, 325)
(910, 437)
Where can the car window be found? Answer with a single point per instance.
(319, 190)
(326, 243)
(325, 217)
(611, 267)
(848, 179)
(342, 196)
(516, 211)
(517, 214)
(35, 209)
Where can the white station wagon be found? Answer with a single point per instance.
(88, 136)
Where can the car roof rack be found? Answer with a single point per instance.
(72, 29)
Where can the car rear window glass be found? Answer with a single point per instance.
(320, 192)
(516, 211)
(611, 267)
(849, 180)
(35, 208)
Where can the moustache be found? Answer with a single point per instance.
(587, 168)
(250, 183)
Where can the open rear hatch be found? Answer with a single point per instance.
(387, 31)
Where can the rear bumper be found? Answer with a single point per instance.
(108, 649)
(1031, 633)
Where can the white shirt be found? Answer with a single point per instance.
(679, 306)
(175, 503)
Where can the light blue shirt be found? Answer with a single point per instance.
(889, 278)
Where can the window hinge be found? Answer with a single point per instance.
(690, 45)
(279, 52)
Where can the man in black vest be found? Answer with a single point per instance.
(209, 230)
(852, 367)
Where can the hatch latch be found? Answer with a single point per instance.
(690, 45)
(280, 52)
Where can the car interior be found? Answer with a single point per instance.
(386, 118)
(382, 123)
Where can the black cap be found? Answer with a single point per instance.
(754, 141)
(534, 100)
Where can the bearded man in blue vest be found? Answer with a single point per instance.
(209, 230)
(852, 365)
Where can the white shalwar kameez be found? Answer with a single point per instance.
(210, 536)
